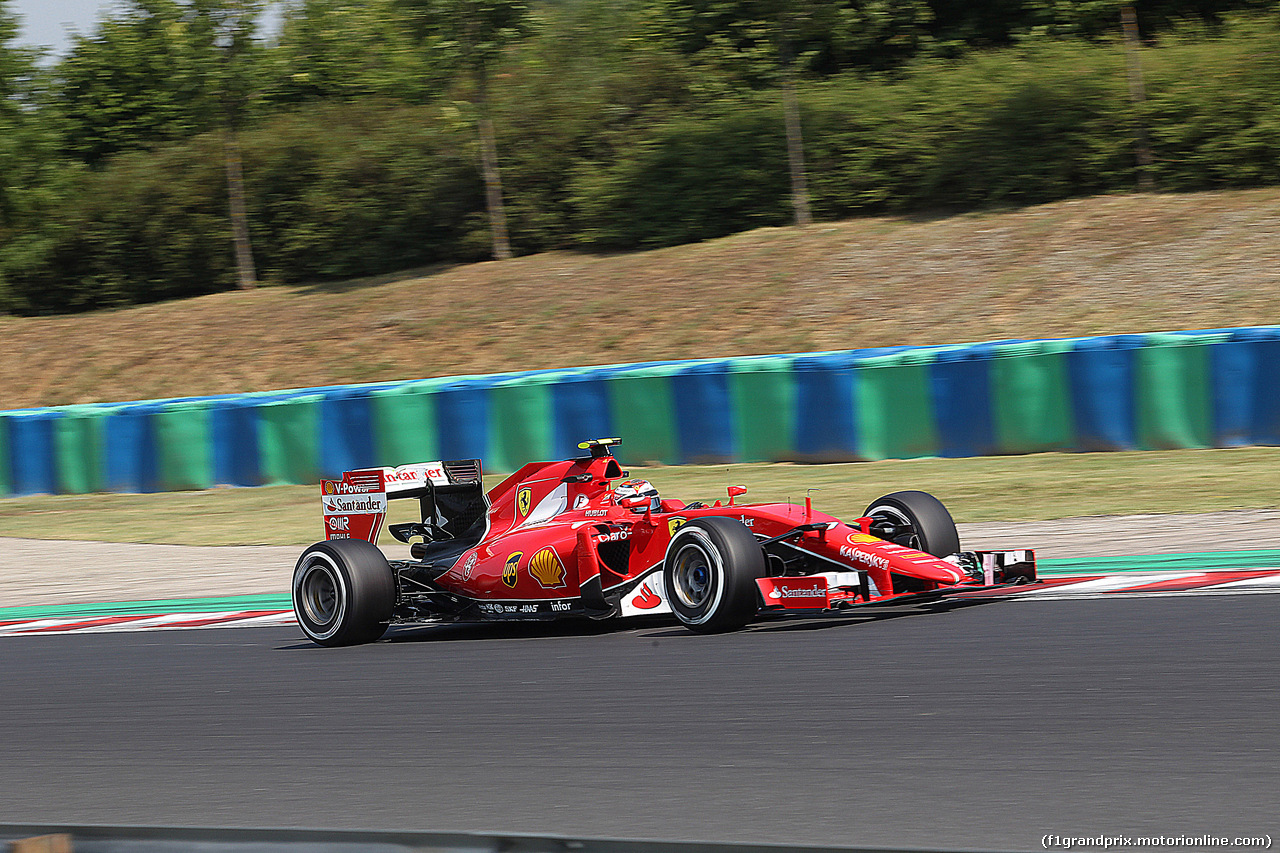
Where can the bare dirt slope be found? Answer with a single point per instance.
(1090, 266)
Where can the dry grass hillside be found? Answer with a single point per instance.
(1083, 267)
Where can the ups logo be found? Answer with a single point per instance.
(674, 524)
(546, 568)
(524, 498)
(509, 570)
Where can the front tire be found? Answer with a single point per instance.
(710, 573)
(919, 520)
(343, 592)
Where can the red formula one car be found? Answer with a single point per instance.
(575, 538)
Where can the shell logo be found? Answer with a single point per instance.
(509, 574)
(546, 568)
(524, 498)
(862, 538)
(328, 487)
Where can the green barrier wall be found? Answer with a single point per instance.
(762, 394)
(1172, 398)
(643, 412)
(1031, 397)
(520, 421)
(893, 406)
(1174, 390)
(184, 446)
(289, 440)
(404, 423)
(79, 443)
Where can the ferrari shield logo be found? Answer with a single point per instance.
(509, 570)
(546, 568)
(674, 524)
(524, 498)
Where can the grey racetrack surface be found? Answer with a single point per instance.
(979, 727)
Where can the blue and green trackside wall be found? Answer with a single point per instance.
(1216, 388)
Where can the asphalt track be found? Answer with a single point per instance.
(983, 726)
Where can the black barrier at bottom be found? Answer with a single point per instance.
(160, 839)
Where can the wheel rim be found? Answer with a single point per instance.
(318, 595)
(911, 539)
(691, 576)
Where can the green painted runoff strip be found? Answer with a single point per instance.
(1162, 562)
(135, 608)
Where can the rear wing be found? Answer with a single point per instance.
(356, 506)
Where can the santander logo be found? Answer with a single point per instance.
(647, 599)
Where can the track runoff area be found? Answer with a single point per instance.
(1217, 574)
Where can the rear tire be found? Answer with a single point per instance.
(343, 592)
(710, 573)
(921, 520)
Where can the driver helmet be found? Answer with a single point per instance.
(638, 488)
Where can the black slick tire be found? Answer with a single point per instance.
(923, 522)
(710, 574)
(343, 592)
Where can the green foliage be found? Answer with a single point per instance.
(344, 50)
(348, 190)
(1050, 122)
(690, 179)
(159, 71)
(750, 40)
(334, 192)
(467, 34)
(360, 154)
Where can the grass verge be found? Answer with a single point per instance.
(1009, 488)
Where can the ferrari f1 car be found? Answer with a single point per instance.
(576, 538)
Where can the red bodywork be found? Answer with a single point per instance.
(557, 542)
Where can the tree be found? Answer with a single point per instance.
(160, 71)
(765, 43)
(224, 31)
(344, 50)
(471, 36)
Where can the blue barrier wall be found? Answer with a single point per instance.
(1118, 392)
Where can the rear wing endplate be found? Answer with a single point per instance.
(356, 506)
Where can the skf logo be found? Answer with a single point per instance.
(524, 498)
(674, 524)
(509, 570)
(546, 568)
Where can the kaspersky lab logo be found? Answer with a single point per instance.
(509, 574)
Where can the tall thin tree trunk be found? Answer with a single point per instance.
(247, 277)
(1137, 95)
(795, 146)
(492, 177)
